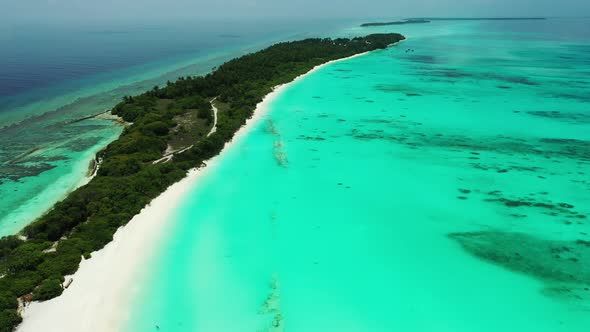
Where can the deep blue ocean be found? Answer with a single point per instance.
(40, 59)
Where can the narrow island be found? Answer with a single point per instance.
(482, 18)
(408, 21)
(170, 130)
(430, 19)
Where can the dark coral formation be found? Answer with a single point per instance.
(272, 307)
(427, 59)
(18, 171)
(549, 260)
(311, 138)
(562, 116)
(584, 98)
(546, 206)
(279, 153)
(406, 132)
(408, 90)
(30, 155)
(82, 144)
(430, 70)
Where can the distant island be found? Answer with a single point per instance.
(480, 18)
(170, 130)
(408, 21)
(430, 19)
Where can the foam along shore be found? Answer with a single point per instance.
(101, 290)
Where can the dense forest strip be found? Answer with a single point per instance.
(408, 21)
(127, 178)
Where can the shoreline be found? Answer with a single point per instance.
(95, 300)
(86, 168)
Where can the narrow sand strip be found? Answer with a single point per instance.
(215, 110)
(100, 294)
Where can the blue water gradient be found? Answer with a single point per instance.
(379, 193)
(53, 73)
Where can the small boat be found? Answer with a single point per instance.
(68, 283)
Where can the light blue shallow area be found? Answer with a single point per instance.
(334, 213)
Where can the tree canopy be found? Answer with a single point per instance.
(128, 179)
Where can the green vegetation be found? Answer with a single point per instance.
(193, 123)
(8, 320)
(430, 19)
(409, 21)
(128, 179)
(48, 289)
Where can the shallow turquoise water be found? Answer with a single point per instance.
(432, 186)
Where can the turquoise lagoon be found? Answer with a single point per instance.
(439, 185)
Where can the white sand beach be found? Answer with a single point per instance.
(104, 284)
